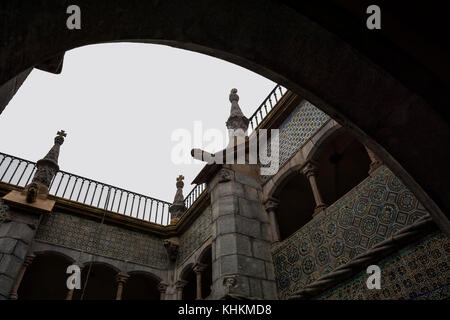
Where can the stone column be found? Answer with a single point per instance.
(198, 269)
(271, 205)
(162, 287)
(28, 260)
(121, 278)
(310, 171)
(179, 285)
(374, 161)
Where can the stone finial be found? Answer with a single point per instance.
(237, 123)
(180, 183)
(178, 207)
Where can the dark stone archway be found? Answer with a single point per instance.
(369, 83)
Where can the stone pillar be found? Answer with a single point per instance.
(179, 285)
(121, 278)
(16, 234)
(310, 171)
(271, 205)
(162, 287)
(241, 237)
(374, 161)
(198, 269)
(28, 260)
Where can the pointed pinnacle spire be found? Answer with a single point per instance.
(178, 207)
(48, 166)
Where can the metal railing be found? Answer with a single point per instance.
(194, 194)
(266, 106)
(19, 172)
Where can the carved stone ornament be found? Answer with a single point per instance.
(271, 204)
(162, 286)
(178, 207)
(172, 246)
(32, 192)
(310, 169)
(224, 175)
(237, 119)
(229, 283)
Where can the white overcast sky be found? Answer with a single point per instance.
(120, 104)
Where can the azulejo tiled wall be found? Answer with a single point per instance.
(106, 240)
(420, 271)
(195, 235)
(371, 212)
(297, 128)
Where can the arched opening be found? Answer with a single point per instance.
(190, 289)
(387, 102)
(206, 259)
(343, 163)
(45, 278)
(141, 286)
(101, 284)
(296, 204)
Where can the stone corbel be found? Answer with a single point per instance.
(172, 245)
(229, 283)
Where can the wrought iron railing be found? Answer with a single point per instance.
(266, 106)
(19, 172)
(194, 194)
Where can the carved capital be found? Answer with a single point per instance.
(122, 277)
(28, 259)
(162, 287)
(199, 267)
(180, 284)
(271, 204)
(310, 169)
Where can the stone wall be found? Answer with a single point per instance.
(420, 271)
(371, 212)
(16, 233)
(105, 240)
(195, 235)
